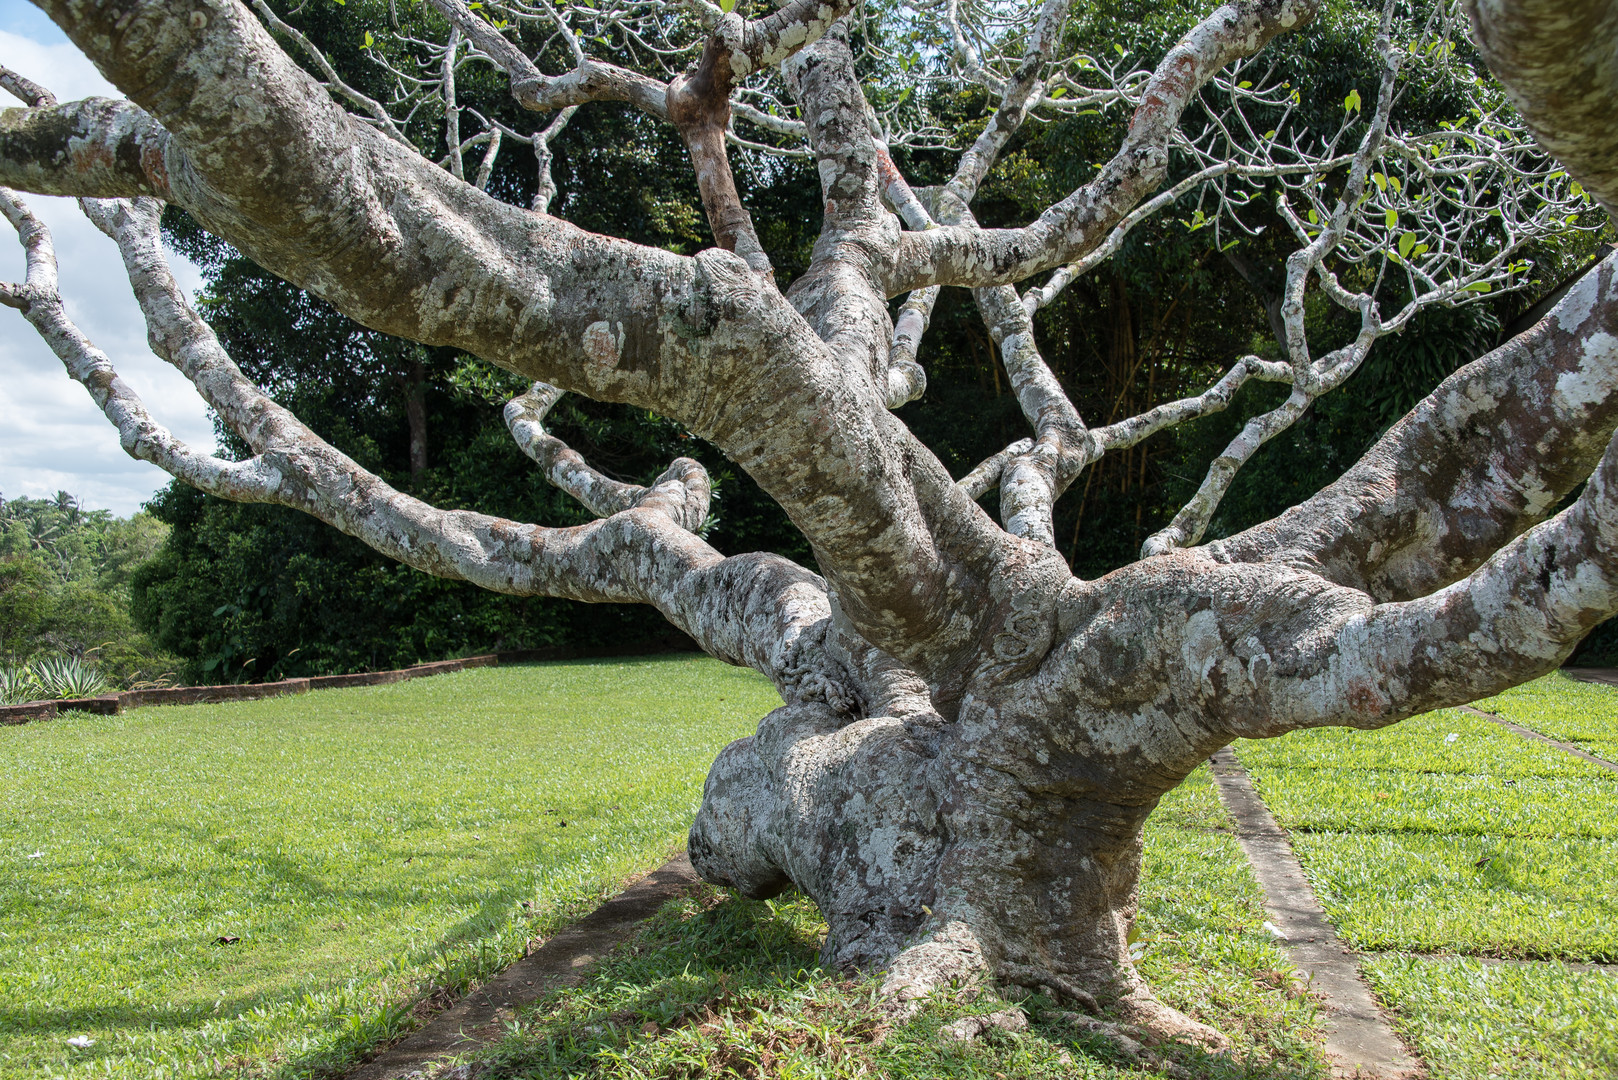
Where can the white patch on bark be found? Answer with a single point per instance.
(1589, 384)
(603, 343)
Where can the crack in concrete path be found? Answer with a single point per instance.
(480, 1017)
(1530, 733)
(1358, 1038)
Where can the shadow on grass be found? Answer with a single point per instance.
(465, 954)
(718, 986)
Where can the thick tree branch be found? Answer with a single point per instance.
(328, 203)
(699, 106)
(1491, 452)
(840, 294)
(1514, 618)
(757, 610)
(323, 200)
(1558, 60)
(97, 147)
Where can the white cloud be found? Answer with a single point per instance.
(52, 437)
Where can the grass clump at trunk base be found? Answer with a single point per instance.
(718, 986)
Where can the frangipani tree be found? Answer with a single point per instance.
(972, 736)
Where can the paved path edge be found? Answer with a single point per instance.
(562, 961)
(1530, 733)
(1359, 1040)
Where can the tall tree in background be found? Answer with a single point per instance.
(973, 735)
(65, 576)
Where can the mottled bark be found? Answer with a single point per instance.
(95, 147)
(971, 737)
(1558, 60)
(1494, 450)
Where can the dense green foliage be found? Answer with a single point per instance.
(364, 849)
(248, 592)
(65, 576)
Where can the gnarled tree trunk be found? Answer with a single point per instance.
(972, 737)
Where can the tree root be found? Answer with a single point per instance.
(967, 1028)
(1127, 1039)
(1056, 986)
(1142, 1011)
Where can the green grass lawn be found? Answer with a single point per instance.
(718, 986)
(367, 847)
(1585, 714)
(270, 888)
(1505, 1021)
(1486, 844)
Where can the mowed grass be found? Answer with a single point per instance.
(719, 986)
(1581, 713)
(1486, 843)
(365, 849)
(1476, 1021)
(1448, 834)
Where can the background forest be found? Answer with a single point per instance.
(65, 576)
(224, 592)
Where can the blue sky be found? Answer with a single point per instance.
(21, 17)
(52, 437)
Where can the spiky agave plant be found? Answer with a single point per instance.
(17, 684)
(69, 677)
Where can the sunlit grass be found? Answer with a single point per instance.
(719, 986)
(371, 848)
(1398, 800)
(1549, 897)
(366, 848)
(1585, 714)
(1507, 1021)
(1485, 843)
(1420, 744)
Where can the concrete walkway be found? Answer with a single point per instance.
(1359, 1040)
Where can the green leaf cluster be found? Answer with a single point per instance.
(65, 575)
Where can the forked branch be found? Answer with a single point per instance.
(682, 492)
(758, 610)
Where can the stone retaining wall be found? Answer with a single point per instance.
(113, 704)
